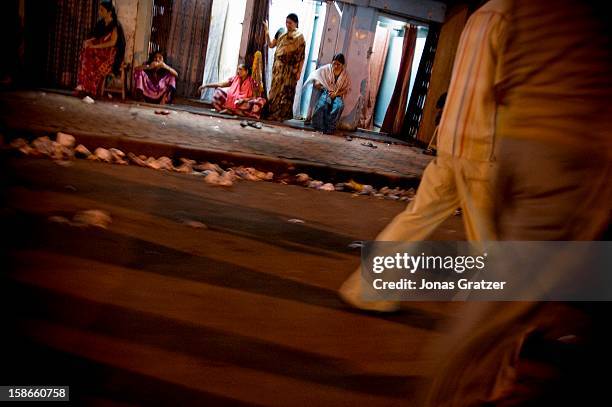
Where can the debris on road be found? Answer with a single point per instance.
(118, 156)
(21, 145)
(224, 180)
(315, 184)
(92, 217)
(88, 100)
(162, 112)
(194, 224)
(302, 178)
(65, 140)
(63, 151)
(43, 146)
(81, 151)
(58, 219)
(369, 144)
(251, 174)
(354, 186)
(208, 167)
(186, 166)
(161, 163)
(137, 160)
(102, 154)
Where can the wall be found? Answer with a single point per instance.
(429, 10)
(143, 31)
(127, 12)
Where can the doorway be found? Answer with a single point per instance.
(384, 65)
(223, 48)
(312, 20)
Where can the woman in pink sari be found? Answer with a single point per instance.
(242, 96)
(155, 82)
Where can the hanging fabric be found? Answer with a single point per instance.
(396, 111)
(161, 21)
(213, 50)
(73, 22)
(376, 67)
(257, 38)
(187, 41)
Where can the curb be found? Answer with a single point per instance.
(278, 165)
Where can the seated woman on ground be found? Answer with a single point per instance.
(102, 52)
(241, 98)
(333, 82)
(155, 82)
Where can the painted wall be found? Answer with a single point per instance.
(127, 12)
(143, 31)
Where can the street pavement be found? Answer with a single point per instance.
(197, 294)
(129, 125)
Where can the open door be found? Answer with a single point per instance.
(223, 48)
(387, 55)
(311, 14)
(349, 29)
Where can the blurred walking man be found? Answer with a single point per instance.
(460, 176)
(553, 183)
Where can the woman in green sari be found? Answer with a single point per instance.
(286, 71)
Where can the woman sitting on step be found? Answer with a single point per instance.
(239, 95)
(155, 82)
(333, 82)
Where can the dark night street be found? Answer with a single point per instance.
(194, 289)
(311, 203)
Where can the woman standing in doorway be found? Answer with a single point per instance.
(102, 53)
(288, 62)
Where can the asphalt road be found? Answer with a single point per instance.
(156, 311)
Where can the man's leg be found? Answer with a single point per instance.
(545, 192)
(476, 196)
(435, 201)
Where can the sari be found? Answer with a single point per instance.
(328, 110)
(245, 90)
(288, 58)
(96, 64)
(156, 85)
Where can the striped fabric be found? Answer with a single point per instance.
(467, 127)
(187, 40)
(71, 25)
